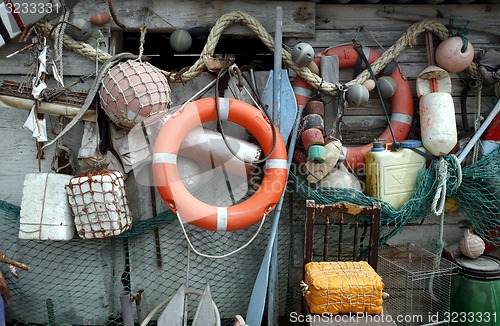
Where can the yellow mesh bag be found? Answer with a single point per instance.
(342, 287)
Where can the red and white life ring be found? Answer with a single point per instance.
(191, 209)
(402, 107)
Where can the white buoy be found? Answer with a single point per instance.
(437, 111)
(438, 123)
(433, 79)
(180, 40)
(302, 54)
(357, 95)
(80, 30)
(387, 86)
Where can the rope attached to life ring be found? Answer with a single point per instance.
(409, 38)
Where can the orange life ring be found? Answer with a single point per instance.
(191, 209)
(401, 102)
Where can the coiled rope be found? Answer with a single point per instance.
(409, 38)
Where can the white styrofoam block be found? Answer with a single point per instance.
(99, 204)
(45, 212)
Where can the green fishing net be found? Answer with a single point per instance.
(80, 281)
(477, 196)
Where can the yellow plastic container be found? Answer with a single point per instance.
(392, 176)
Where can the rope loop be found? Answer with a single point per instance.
(449, 179)
(437, 206)
(462, 31)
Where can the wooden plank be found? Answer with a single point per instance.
(74, 64)
(375, 37)
(330, 16)
(18, 144)
(358, 130)
(298, 16)
(22, 63)
(374, 107)
(330, 72)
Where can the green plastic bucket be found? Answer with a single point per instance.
(475, 292)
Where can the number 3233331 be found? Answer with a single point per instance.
(35, 7)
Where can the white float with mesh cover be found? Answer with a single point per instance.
(45, 212)
(133, 90)
(99, 203)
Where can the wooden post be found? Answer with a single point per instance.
(329, 66)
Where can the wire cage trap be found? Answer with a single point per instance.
(418, 283)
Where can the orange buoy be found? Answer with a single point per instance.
(453, 56)
(190, 208)
(100, 19)
(401, 102)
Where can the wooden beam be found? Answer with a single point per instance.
(298, 16)
(45, 107)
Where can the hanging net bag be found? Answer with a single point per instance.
(133, 90)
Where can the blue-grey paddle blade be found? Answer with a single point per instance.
(288, 106)
(173, 313)
(267, 97)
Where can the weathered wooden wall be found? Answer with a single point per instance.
(321, 25)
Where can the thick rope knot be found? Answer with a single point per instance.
(448, 178)
(437, 206)
(454, 175)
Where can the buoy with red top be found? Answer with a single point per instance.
(401, 102)
(100, 19)
(190, 208)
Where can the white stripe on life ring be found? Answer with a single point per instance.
(165, 158)
(302, 91)
(222, 218)
(276, 164)
(223, 108)
(401, 117)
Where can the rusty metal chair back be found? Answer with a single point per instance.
(348, 231)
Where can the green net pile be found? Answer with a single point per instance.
(478, 197)
(79, 282)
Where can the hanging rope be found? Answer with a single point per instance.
(440, 196)
(58, 43)
(79, 47)
(477, 87)
(409, 38)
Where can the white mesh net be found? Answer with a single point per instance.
(99, 204)
(132, 91)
